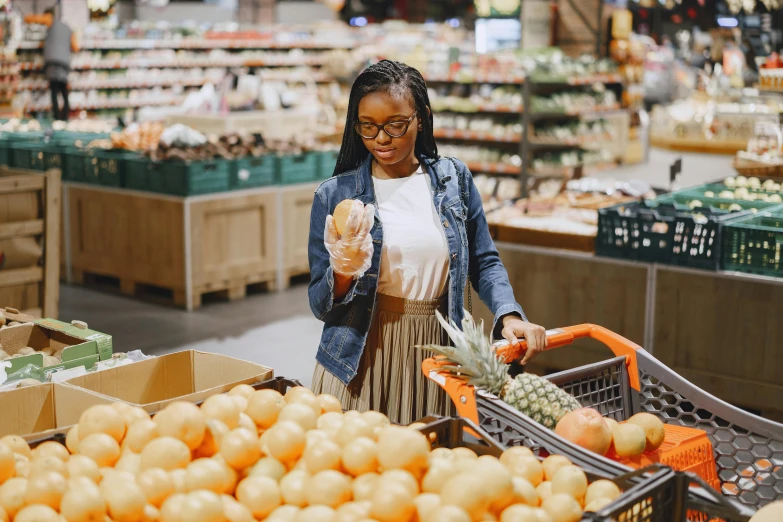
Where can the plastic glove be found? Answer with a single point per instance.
(351, 254)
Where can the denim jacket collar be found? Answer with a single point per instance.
(364, 186)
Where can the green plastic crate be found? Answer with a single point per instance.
(108, 167)
(697, 194)
(177, 178)
(253, 172)
(75, 165)
(299, 168)
(327, 163)
(753, 244)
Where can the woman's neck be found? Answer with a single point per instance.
(399, 170)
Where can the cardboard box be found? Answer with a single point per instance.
(38, 410)
(83, 347)
(187, 376)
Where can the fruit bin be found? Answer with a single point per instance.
(653, 494)
(747, 449)
(666, 230)
(752, 244)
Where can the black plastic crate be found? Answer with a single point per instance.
(753, 244)
(664, 231)
(652, 489)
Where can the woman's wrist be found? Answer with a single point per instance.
(509, 317)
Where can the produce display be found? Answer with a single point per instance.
(260, 455)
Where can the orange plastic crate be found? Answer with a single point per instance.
(683, 449)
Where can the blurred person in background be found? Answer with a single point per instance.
(60, 42)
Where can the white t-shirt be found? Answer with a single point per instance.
(415, 256)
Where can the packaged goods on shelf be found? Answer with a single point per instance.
(574, 102)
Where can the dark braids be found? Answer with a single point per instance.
(394, 78)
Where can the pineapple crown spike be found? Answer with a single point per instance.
(472, 357)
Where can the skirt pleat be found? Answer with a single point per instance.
(390, 379)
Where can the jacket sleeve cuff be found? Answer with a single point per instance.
(329, 301)
(512, 309)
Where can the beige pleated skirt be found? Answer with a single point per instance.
(390, 379)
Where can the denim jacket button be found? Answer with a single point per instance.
(454, 256)
(445, 224)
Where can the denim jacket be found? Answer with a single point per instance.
(471, 253)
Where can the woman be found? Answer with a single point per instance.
(415, 233)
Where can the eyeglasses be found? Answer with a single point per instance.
(393, 129)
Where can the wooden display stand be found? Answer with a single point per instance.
(30, 208)
(175, 248)
(179, 249)
(297, 202)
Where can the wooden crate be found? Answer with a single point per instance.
(297, 202)
(169, 248)
(30, 208)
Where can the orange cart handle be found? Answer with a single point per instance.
(558, 337)
(464, 397)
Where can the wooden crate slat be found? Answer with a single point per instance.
(23, 183)
(21, 229)
(21, 276)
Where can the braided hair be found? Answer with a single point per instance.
(396, 78)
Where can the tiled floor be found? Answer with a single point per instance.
(278, 330)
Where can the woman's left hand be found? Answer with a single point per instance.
(514, 328)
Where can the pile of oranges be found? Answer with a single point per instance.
(259, 455)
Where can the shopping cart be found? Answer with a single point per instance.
(747, 450)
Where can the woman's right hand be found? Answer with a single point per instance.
(350, 255)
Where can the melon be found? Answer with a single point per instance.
(585, 427)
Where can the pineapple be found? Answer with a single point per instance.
(473, 359)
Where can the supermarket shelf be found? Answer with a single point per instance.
(110, 104)
(121, 84)
(487, 108)
(543, 115)
(480, 167)
(547, 142)
(451, 134)
(580, 80)
(698, 145)
(566, 172)
(43, 85)
(491, 79)
(762, 88)
(168, 64)
(195, 44)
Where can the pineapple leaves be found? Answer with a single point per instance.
(472, 356)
